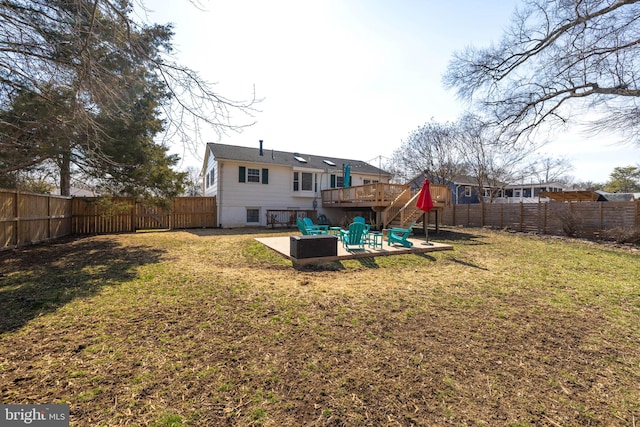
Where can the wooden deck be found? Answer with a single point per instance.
(392, 203)
(379, 195)
(282, 245)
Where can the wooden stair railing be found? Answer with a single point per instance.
(396, 207)
(407, 214)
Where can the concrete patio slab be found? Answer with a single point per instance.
(282, 245)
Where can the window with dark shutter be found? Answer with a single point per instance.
(296, 181)
(253, 175)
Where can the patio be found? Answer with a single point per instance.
(282, 245)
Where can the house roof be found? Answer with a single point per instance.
(284, 158)
(618, 197)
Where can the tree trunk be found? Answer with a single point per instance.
(65, 174)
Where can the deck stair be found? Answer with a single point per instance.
(402, 212)
(394, 204)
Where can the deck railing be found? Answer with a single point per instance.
(369, 194)
(381, 194)
(396, 207)
(288, 217)
(441, 195)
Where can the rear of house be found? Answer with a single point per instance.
(247, 182)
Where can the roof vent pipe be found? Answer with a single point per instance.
(261, 147)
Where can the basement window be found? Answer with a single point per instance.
(253, 215)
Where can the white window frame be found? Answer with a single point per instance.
(304, 182)
(257, 216)
(253, 175)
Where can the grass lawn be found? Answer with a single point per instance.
(209, 327)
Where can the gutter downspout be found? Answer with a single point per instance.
(457, 194)
(219, 197)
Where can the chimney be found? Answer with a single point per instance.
(261, 147)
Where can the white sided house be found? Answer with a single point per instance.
(529, 193)
(248, 182)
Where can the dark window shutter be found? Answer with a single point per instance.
(265, 176)
(242, 174)
(333, 181)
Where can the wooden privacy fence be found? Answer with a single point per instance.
(585, 219)
(124, 214)
(27, 218)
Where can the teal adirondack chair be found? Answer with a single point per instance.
(361, 220)
(322, 229)
(306, 231)
(355, 236)
(400, 236)
(367, 227)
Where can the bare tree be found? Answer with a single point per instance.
(430, 150)
(490, 162)
(548, 169)
(193, 185)
(557, 56)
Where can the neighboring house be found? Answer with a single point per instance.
(619, 197)
(592, 196)
(249, 181)
(77, 191)
(529, 193)
(464, 189)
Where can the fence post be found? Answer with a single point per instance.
(601, 225)
(521, 216)
(538, 223)
(134, 214)
(172, 214)
(49, 218)
(16, 212)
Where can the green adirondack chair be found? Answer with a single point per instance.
(355, 236)
(400, 236)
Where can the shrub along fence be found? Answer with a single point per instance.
(27, 218)
(582, 219)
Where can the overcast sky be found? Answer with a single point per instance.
(348, 78)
